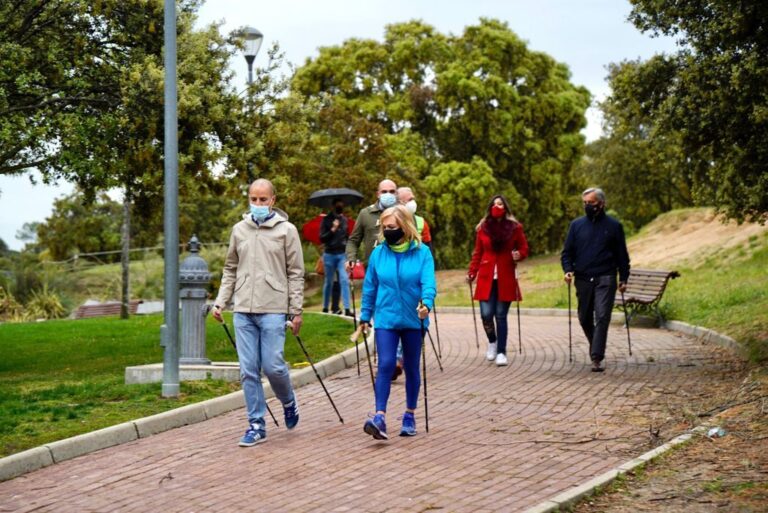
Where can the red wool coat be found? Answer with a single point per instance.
(484, 260)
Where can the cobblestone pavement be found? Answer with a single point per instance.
(501, 438)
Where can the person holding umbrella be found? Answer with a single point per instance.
(399, 289)
(500, 244)
(333, 235)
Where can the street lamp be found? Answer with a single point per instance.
(253, 39)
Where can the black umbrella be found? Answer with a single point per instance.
(325, 198)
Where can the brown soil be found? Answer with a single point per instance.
(723, 474)
(689, 237)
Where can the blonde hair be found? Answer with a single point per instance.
(404, 220)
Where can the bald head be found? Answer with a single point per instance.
(386, 186)
(262, 183)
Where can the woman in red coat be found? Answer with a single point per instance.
(500, 243)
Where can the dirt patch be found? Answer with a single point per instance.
(689, 237)
(724, 474)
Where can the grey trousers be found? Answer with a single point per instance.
(595, 297)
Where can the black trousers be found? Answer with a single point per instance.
(595, 297)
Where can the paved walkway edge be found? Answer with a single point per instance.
(567, 499)
(55, 452)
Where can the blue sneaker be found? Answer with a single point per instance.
(409, 425)
(291, 414)
(376, 427)
(253, 435)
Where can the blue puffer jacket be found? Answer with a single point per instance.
(392, 289)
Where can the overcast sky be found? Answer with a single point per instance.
(586, 35)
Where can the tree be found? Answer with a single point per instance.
(451, 99)
(457, 193)
(715, 98)
(643, 169)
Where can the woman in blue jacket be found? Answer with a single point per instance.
(400, 274)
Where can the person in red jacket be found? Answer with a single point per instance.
(499, 244)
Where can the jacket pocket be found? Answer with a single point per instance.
(240, 282)
(275, 282)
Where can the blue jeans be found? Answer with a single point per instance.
(332, 263)
(260, 344)
(387, 341)
(495, 309)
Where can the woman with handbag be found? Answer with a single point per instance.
(500, 244)
(399, 290)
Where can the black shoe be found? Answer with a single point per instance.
(348, 313)
(325, 310)
(596, 366)
(398, 370)
(337, 312)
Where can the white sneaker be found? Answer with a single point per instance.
(501, 360)
(491, 353)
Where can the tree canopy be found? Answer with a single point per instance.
(477, 101)
(712, 95)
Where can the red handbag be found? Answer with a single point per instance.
(358, 271)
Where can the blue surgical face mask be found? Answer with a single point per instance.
(259, 212)
(387, 199)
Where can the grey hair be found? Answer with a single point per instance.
(598, 192)
(262, 181)
(404, 189)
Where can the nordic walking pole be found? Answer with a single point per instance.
(368, 354)
(437, 332)
(626, 319)
(424, 372)
(232, 340)
(431, 341)
(519, 330)
(354, 317)
(570, 338)
(289, 325)
(474, 315)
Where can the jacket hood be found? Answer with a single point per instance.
(279, 217)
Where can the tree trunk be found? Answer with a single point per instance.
(125, 258)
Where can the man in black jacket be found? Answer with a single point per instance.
(333, 235)
(594, 251)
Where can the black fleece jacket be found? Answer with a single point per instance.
(596, 248)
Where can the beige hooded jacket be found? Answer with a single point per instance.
(264, 267)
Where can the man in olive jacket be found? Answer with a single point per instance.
(366, 230)
(264, 271)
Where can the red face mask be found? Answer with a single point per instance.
(497, 211)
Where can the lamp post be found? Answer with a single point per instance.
(253, 39)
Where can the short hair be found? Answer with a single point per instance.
(404, 220)
(598, 192)
(401, 190)
(262, 181)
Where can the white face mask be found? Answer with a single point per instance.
(411, 206)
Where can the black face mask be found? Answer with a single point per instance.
(393, 236)
(339, 209)
(592, 210)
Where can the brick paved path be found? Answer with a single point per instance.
(501, 439)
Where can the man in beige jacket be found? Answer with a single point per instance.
(264, 270)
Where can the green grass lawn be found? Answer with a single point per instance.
(63, 378)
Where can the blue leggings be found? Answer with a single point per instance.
(386, 343)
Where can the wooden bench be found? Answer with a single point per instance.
(103, 309)
(644, 290)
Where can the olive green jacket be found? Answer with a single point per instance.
(366, 231)
(264, 267)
